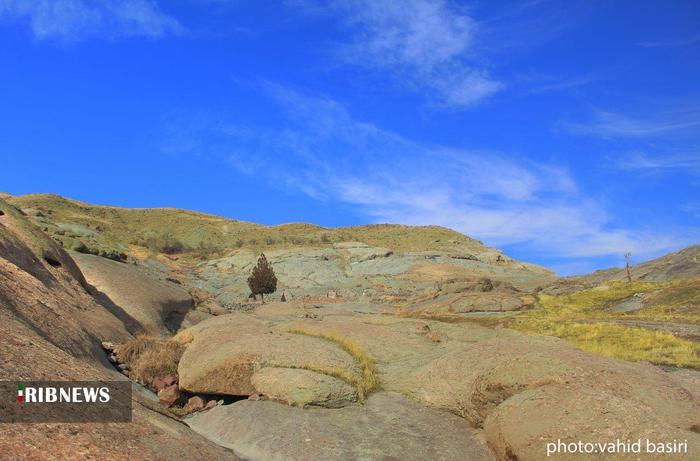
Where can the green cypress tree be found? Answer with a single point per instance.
(263, 279)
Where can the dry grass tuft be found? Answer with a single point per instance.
(150, 358)
(183, 337)
(368, 380)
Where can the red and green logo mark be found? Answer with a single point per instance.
(20, 393)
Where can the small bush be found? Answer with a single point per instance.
(150, 358)
(172, 247)
(167, 244)
(80, 247)
(113, 255)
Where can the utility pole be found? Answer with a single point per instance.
(627, 267)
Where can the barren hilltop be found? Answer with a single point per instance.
(392, 342)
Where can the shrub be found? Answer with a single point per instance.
(150, 358)
(166, 244)
(113, 255)
(80, 247)
(172, 246)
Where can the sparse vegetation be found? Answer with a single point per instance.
(586, 318)
(116, 228)
(634, 344)
(114, 255)
(666, 301)
(150, 357)
(368, 381)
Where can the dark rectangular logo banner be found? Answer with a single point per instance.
(65, 401)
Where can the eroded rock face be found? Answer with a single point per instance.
(388, 427)
(500, 382)
(353, 268)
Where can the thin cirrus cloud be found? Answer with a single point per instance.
(71, 20)
(607, 124)
(672, 163)
(322, 151)
(426, 45)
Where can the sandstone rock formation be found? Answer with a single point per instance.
(516, 391)
(158, 307)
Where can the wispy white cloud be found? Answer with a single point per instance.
(425, 44)
(322, 151)
(606, 124)
(70, 20)
(644, 162)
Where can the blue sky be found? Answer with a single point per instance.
(565, 133)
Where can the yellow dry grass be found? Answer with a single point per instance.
(582, 319)
(611, 340)
(368, 380)
(183, 337)
(677, 300)
(150, 357)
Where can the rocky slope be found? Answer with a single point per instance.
(51, 328)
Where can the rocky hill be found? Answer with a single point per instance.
(213, 256)
(390, 344)
(175, 231)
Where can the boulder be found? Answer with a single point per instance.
(195, 403)
(303, 387)
(158, 384)
(169, 395)
(237, 345)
